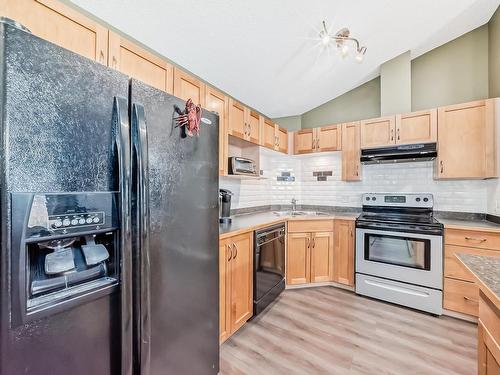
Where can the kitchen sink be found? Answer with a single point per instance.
(300, 213)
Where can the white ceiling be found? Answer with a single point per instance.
(266, 52)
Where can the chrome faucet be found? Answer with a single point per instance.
(294, 205)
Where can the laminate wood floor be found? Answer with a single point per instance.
(327, 330)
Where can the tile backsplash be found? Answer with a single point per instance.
(461, 195)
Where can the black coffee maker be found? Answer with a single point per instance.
(225, 206)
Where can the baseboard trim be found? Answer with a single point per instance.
(315, 285)
(457, 315)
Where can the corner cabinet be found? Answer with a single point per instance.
(273, 136)
(61, 25)
(467, 140)
(140, 64)
(243, 123)
(235, 283)
(309, 252)
(351, 153)
(326, 138)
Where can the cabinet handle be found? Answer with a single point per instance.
(392, 134)
(228, 248)
(114, 62)
(235, 251)
(313, 144)
(101, 56)
(470, 299)
(398, 135)
(308, 242)
(442, 166)
(357, 170)
(313, 243)
(317, 144)
(475, 239)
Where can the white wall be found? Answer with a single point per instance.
(463, 195)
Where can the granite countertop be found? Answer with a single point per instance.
(472, 224)
(252, 221)
(486, 270)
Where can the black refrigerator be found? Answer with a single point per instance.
(109, 221)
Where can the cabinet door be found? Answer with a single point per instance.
(343, 255)
(298, 259)
(282, 139)
(466, 143)
(224, 291)
(237, 122)
(61, 25)
(218, 102)
(351, 164)
(140, 64)
(416, 127)
(378, 132)
(253, 127)
(304, 141)
(321, 257)
(329, 138)
(268, 134)
(241, 280)
(487, 349)
(187, 87)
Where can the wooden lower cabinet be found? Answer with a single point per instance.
(343, 252)
(488, 337)
(298, 269)
(235, 283)
(321, 256)
(461, 296)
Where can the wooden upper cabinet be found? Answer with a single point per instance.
(218, 102)
(378, 132)
(416, 127)
(321, 257)
(241, 280)
(329, 138)
(298, 258)
(304, 141)
(61, 25)
(253, 126)
(140, 64)
(187, 87)
(268, 134)
(236, 119)
(343, 254)
(467, 140)
(282, 140)
(351, 153)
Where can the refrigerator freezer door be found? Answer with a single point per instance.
(182, 173)
(57, 135)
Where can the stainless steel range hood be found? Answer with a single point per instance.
(399, 154)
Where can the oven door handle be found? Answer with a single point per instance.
(397, 288)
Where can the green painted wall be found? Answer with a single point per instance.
(494, 54)
(290, 122)
(455, 72)
(360, 103)
(395, 85)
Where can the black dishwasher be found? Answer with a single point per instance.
(269, 266)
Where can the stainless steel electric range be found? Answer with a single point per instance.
(399, 251)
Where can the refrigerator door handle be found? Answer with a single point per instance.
(122, 144)
(140, 141)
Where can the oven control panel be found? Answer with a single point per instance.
(398, 200)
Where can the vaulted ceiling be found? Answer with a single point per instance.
(266, 53)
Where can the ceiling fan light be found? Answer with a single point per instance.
(325, 38)
(344, 50)
(361, 54)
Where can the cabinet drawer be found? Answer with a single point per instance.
(298, 226)
(461, 296)
(471, 238)
(453, 267)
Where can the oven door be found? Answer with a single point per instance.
(408, 257)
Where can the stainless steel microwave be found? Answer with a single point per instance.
(242, 166)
